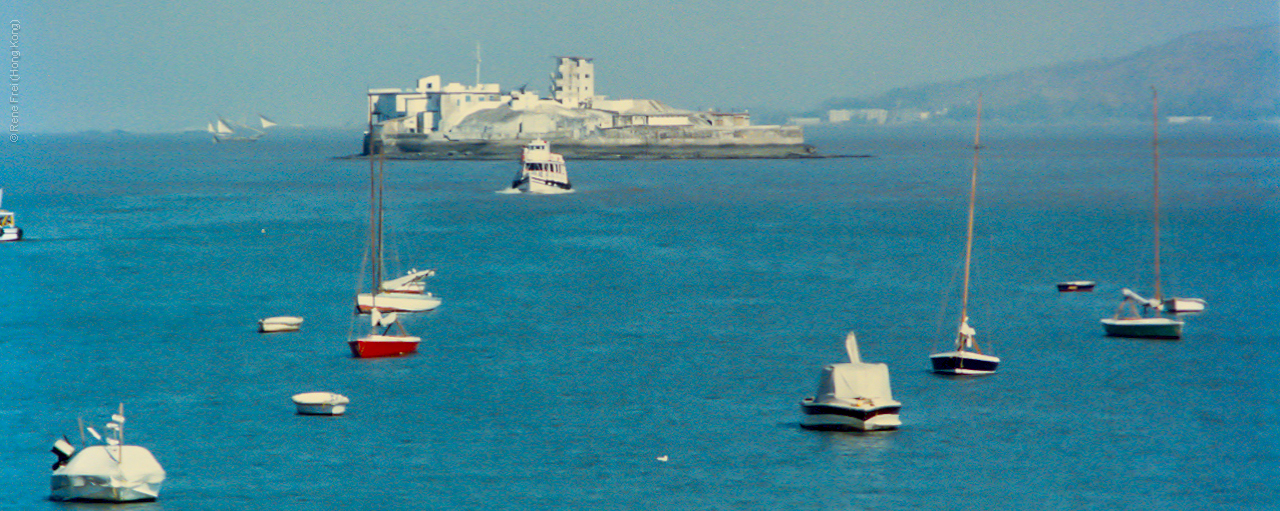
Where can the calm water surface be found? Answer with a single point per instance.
(668, 308)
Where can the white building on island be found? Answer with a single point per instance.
(433, 112)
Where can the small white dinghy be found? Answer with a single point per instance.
(279, 324)
(321, 403)
(853, 396)
(105, 473)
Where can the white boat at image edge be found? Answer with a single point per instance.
(113, 472)
(853, 396)
(279, 324)
(9, 230)
(541, 171)
(320, 403)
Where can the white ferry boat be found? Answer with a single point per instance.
(541, 171)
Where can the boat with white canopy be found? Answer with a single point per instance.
(113, 472)
(853, 396)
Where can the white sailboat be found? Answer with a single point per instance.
(404, 294)
(9, 230)
(381, 340)
(227, 131)
(1143, 318)
(852, 396)
(113, 472)
(967, 358)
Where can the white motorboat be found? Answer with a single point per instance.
(411, 283)
(387, 301)
(852, 396)
(9, 230)
(279, 324)
(541, 171)
(105, 473)
(1184, 305)
(320, 403)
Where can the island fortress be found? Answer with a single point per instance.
(456, 121)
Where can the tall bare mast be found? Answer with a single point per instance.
(973, 192)
(1155, 208)
(477, 62)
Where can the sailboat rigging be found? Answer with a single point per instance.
(967, 357)
(1147, 322)
(403, 294)
(381, 341)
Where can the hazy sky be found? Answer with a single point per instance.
(166, 65)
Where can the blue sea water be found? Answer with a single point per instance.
(668, 308)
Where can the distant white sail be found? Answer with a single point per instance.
(223, 127)
(266, 123)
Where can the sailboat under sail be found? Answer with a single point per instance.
(1144, 318)
(966, 357)
(227, 131)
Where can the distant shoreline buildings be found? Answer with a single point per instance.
(439, 120)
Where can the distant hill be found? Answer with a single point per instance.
(1227, 74)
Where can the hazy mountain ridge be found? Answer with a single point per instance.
(1227, 74)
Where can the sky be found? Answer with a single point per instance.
(171, 65)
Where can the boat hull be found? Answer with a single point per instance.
(1143, 328)
(108, 474)
(279, 324)
(320, 403)
(83, 488)
(397, 302)
(1081, 286)
(377, 346)
(846, 417)
(964, 363)
(536, 184)
(10, 234)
